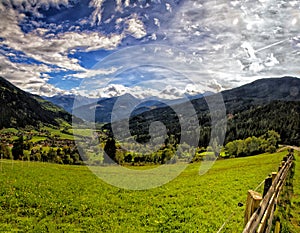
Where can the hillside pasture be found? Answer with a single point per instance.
(45, 197)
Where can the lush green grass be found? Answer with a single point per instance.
(37, 139)
(43, 197)
(57, 132)
(9, 130)
(295, 202)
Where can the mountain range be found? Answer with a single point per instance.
(238, 99)
(251, 109)
(100, 109)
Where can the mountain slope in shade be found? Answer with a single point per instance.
(19, 108)
(262, 91)
(259, 92)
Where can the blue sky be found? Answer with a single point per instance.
(52, 47)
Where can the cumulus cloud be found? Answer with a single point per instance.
(172, 91)
(51, 50)
(28, 77)
(234, 40)
(151, 89)
(243, 38)
(215, 85)
(92, 73)
(193, 89)
(97, 13)
(136, 27)
(113, 90)
(34, 5)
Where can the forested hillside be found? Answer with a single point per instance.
(19, 108)
(252, 110)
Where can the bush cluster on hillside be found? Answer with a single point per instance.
(253, 145)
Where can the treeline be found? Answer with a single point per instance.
(113, 152)
(253, 145)
(172, 153)
(67, 154)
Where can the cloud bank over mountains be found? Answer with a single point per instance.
(50, 46)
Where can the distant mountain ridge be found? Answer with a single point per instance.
(262, 91)
(258, 97)
(100, 109)
(67, 101)
(259, 92)
(19, 108)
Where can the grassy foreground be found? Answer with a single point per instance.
(295, 200)
(43, 197)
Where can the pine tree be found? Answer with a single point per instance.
(110, 150)
(17, 150)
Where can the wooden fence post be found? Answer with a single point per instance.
(274, 174)
(259, 213)
(253, 201)
(268, 184)
(281, 165)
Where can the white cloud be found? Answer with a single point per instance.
(28, 77)
(97, 13)
(215, 85)
(234, 40)
(127, 2)
(168, 7)
(136, 27)
(193, 89)
(113, 90)
(242, 38)
(153, 36)
(271, 61)
(119, 5)
(33, 5)
(93, 73)
(157, 22)
(163, 91)
(172, 91)
(51, 50)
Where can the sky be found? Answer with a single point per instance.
(166, 48)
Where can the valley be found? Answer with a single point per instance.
(46, 185)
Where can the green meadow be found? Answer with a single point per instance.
(46, 197)
(291, 208)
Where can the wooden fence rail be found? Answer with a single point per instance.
(260, 210)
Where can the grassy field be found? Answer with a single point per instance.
(43, 197)
(295, 202)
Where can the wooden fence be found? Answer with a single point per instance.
(260, 209)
